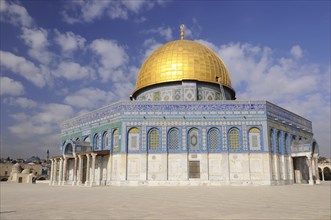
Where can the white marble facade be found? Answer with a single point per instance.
(173, 169)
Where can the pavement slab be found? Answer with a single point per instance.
(41, 201)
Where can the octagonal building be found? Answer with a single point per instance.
(183, 126)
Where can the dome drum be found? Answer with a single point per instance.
(186, 90)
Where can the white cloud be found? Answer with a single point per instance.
(36, 40)
(23, 67)
(9, 86)
(150, 46)
(112, 58)
(296, 51)
(73, 71)
(89, 98)
(45, 120)
(165, 32)
(140, 20)
(69, 41)
(21, 116)
(301, 87)
(21, 102)
(14, 14)
(88, 11)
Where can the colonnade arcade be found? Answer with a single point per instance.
(77, 169)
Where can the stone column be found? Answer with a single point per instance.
(316, 169)
(52, 177)
(283, 162)
(109, 168)
(51, 172)
(93, 182)
(60, 172)
(290, 170)
(75, 170)
(87, 182)
(55, 174)
(65, 164)
(276, 164)
(322, 174)
(228, 169)
(311, 181)
(80, 170)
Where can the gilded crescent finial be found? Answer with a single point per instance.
(182, 26)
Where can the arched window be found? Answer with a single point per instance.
(87, 139)
(286, 143)
(173, 139)
(115, 140)
(134, 139)
(278, 141)
(193, 139)
(105, 140)
(153, 139)
(254, 139)
(96, 141)
(68, 149)
(234, 139)
(271, 140)
(213, 138)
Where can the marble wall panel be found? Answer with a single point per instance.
(177, 165)
(157, 167)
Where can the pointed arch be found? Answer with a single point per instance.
(115, 140)
(271, 140)
(213, 139)
(173, 141)
(278, 142)
(153, 139)
(254, 138)
(96, 141)
(105, 140)
(134, 139)
(233, 139)
(193, 140)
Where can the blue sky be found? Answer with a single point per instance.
(61, 59)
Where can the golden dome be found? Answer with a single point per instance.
(182, 60)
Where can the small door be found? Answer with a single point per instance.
(194, 169)
(20, 179)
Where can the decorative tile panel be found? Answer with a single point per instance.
(244, 137)
(184, 139)
(224, 137)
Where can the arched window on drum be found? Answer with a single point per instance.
(234, 139)
(213, 139)
(254, 139)
(173, 140)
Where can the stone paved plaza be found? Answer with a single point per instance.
(40, 201)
